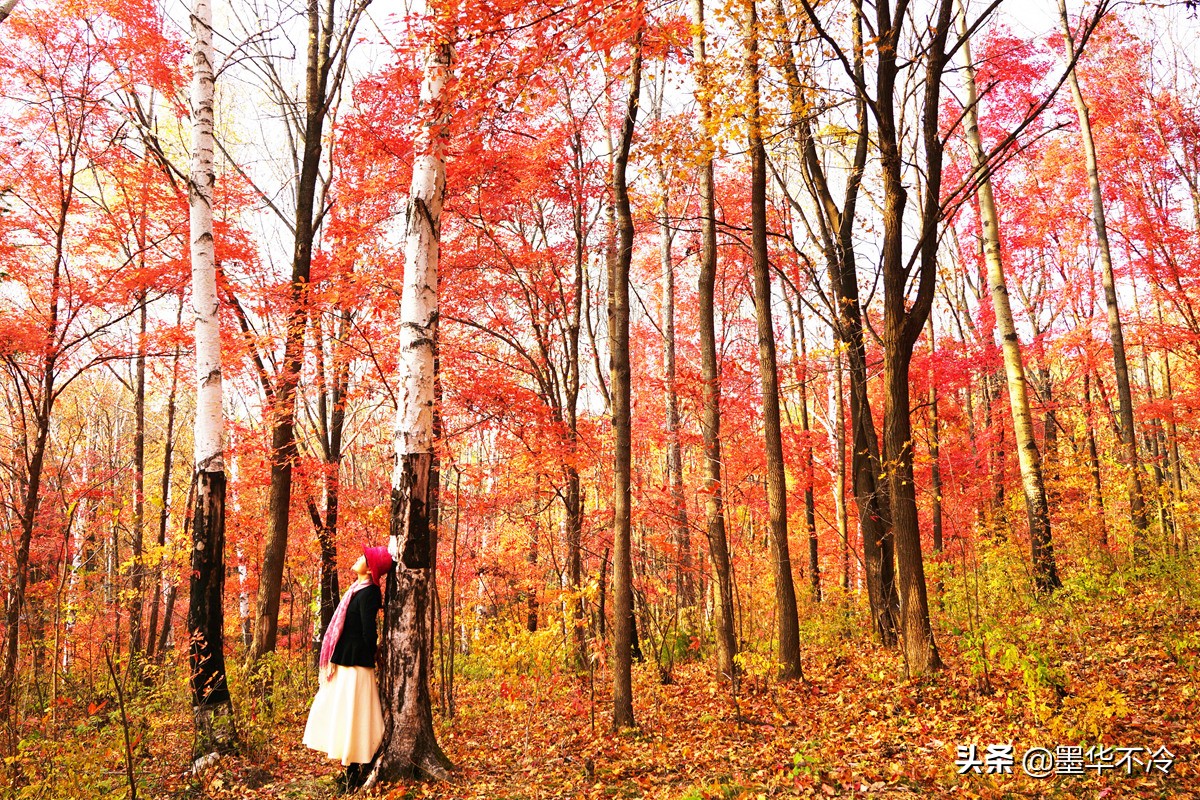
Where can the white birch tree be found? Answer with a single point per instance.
(211, 705)
(1029, 457)
(410, 747)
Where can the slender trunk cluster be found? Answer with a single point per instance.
(903, 319)
(836, 229)
(573, 497)
(154, 645)
(685, 590)
(283, 405)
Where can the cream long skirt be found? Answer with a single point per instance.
(346, 720)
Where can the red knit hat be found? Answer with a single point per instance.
(379, 561)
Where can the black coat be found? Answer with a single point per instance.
(356, 646)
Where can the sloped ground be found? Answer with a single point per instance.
(1119, 670)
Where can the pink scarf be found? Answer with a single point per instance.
(334, 631)
(379, 561)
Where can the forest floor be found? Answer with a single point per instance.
(1119, 667)
(1121, 672)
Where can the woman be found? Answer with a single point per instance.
(346, 720)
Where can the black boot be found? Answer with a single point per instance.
(356, 776)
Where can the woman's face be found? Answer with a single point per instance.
(360, 567)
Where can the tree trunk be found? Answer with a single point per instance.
(410, 747)
(619, 383)
(995, 454)
(1173, 451)
(685, 591)
(902, 321)
(935, 459)
(839, 452)
(1094, 459)
(710, 425)
(810, 501)
(787, 621)
(531, 557)
(573, 497)
(1045, 573)
(283, 405)
(837, 231)
(602, 597)
(164, 633)
(15, 599)
(212, 708)
(164, 511)
(136, 568)
(1137, 503)
(331, 413)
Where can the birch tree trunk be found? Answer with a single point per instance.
(1137, 503)
(1045, 573)
(212, 708)
(788, 624)
(710, 425)
(410, 747)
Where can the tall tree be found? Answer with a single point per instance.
(710, 425)
(619, 382)
(325, 66)
(1137, 502)
(572, 497)
(332, 386)
(902, 323)
(787, 619)
(410, 747)
(164, 509)
(835, 225)
(64, 304)
(212, 707)
(684, 584)
(935, 452)
(809, 465)
(1045, 573)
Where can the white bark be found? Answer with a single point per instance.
(1029, 457)
(1028, 454)
(419, 300)
(209, 422)
(1128, 433)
